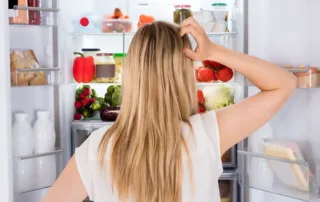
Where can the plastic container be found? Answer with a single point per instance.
(90, 52)
(119, 62)
(308, 79)
(34, 16)
(116, 25)
(45, 136)
(23, 141)
(22, 16)
(220, 11)
(181, 13)
(105, 68)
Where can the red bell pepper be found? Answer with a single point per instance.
(83, 68)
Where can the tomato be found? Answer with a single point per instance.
(197, 70)
(216, 65)
(206, 63)
(225, 74)
(206, 75)
(200, 96)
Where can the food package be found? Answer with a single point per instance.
(290, 174)
(20, 59)
(310, 78)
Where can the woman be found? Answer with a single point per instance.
(160, 149)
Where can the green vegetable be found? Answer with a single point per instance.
(87, 113)
(218, 97)
(110, 89)
(96, 106)
(116, 97)
(93, 93)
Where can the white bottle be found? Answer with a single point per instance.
(261, 174)
(45, 138)
(22, 142)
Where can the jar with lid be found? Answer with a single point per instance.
(90, 52)
(119, 60)
(105, 68)
(181, 13)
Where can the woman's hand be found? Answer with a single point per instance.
(205, 48)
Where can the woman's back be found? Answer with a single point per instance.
(204, 152)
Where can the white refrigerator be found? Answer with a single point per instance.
(283, 32)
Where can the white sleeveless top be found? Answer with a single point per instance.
(204, 146)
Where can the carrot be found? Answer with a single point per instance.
(117, 13)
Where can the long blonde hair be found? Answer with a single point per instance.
(158, 93)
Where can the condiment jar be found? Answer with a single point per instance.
(181, 13)
(90, 52)
(105, 68)
(119, 60)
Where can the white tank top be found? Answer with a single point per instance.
(204, 149)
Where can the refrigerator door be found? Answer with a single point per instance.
(6, 182)
(282, 32)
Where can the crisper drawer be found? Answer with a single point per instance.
(82, 129)
(228, 185)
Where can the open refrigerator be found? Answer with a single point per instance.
(283, 32)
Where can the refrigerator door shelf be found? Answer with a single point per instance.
(228, 184)
(269, 171)
(36, 172)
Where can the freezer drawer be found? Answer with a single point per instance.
(228, 185)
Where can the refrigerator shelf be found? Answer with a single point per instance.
(33, 26)
(58, 151)
(209, 34)
(293, 179)
(54, 69)
(36, 172)
(47, 76)
(36, 9)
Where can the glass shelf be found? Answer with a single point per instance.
(33, 26)
(211, 34)
(262, 173)
(36, 9)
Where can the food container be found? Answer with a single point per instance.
(119, 61)
(34, 16)
(220, 26)
(22, 60)
(181, 13)
(21, 16)
(90, 52)
(116, 25)
(308, 79)
(220, 11)
(105, 68)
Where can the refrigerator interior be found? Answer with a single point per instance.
(59, 99)
(286, 32)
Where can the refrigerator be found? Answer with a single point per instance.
(283, 32)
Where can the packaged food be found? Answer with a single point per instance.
(20, 59)
(119, 61)
(308, 77)
(181, 13)
(116, 25)
(22, 16)
(105, 68)
(34, 16)
(220, 11)
(290, 174)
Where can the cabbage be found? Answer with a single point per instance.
(217, 97)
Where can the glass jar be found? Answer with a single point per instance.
(181, 13)
(22, 15)
(105, 68)
(34, 16)
(119, 61)
(90, 52)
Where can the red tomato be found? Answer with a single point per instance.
(206, 63)
(201, 109)
(225, 74)
(200, 96)
(197, 70)
(206, 75)
(216, 65)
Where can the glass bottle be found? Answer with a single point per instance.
(34, 16)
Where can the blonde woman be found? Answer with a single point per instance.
(160, 149)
